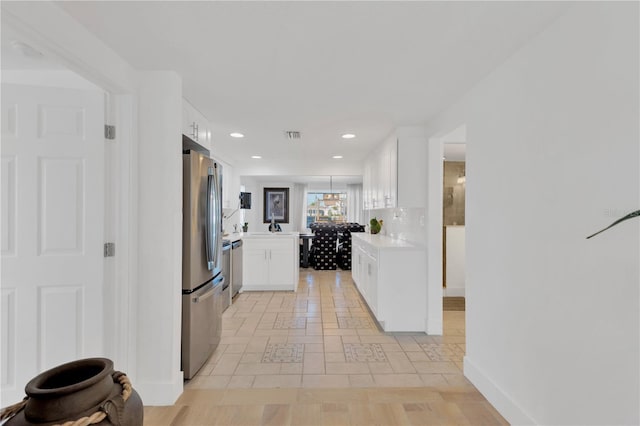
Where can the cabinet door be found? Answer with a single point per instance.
(186, 120)
(392, 196)
(372, 285)
(375, 183)
(229, 196)
(189, 120)
(366, 186)
(281, 264)
(255, 267)
(355, 262)
(362, 268)
(195, 125)
(383, 177)
(203, 132)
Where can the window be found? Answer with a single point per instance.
(326, 207)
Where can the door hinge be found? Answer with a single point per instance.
(109, 132)
(109, 249)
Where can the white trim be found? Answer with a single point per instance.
(434, 235)
(160, 393)
(434, 325)
(454, 292)
(126, 231)
(507, 407)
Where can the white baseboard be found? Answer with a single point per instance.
(160, 393)
(454, 292)
(434, 326)
(507, 407)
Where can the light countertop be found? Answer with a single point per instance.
(233, 236)
(384, 242)
(267, 234)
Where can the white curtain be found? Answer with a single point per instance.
(354, 202)
(299, 207)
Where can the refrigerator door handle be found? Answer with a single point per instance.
(216, 220)
(209, 222)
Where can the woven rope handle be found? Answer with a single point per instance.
(95, 418)
(12, 410)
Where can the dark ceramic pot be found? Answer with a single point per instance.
(75, 390)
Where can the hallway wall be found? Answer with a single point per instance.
(553, 318)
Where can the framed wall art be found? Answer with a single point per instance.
(276, 205)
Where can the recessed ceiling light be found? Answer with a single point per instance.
(236, 135)
(348, 136)
(337, 156)
(256, 156)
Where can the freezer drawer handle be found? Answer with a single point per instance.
(209, 293)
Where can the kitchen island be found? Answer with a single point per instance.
(270, 261)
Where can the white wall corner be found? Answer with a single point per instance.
(160, 393)
(159, 253)
(434, 326)
(434, 236)
(507, 407)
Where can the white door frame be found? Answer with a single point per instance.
(434, 235)
(122, 180)
(435, 183)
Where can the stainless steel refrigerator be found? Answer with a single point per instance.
(202, 279)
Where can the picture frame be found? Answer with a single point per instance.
(276, 202)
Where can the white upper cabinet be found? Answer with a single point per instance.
(392, 194)
(195, 125)
(230, 186)
(380, 179)
(395, 173)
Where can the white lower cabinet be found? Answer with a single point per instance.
(391, 277)
(270, 263)
(371, 273)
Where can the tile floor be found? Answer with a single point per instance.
(316, 357)
(323, 336)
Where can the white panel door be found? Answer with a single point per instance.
(52, 231)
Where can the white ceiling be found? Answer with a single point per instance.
(322, 68)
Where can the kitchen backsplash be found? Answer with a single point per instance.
(408, 224)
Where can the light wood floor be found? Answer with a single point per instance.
(316, 357)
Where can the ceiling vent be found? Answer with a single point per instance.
(292, 135)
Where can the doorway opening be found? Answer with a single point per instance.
(453, 220)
